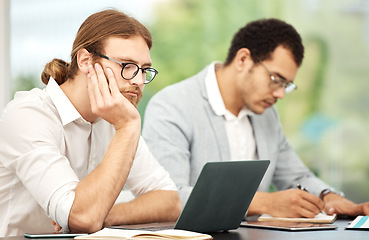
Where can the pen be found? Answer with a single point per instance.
(299, 186)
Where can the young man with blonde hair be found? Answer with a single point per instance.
(68, 150)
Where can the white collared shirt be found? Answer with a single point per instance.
(240, 134)
(46, 148)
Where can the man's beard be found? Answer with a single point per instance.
(131, 99)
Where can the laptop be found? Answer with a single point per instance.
(219, 199)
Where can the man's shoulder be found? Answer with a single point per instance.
(30, 108)
(35, 99)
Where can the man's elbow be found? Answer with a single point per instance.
(176, 207)
(79, 223)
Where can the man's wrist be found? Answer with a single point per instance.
(330, 192)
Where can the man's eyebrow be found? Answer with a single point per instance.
(282, 77)
(130, 60)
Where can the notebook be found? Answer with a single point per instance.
(220, 197)
(319, 218)
(359, 223)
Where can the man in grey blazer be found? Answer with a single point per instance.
(226, 112)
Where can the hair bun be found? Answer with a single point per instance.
(57, 69)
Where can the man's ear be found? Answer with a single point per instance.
(243, 58)
(84, 59)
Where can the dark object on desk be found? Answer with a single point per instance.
(220, 197)
(289, 226)
(148, 226)
(53, 235)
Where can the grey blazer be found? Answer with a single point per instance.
(184, 133)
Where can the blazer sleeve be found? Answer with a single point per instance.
(167, 132)
(289, 168)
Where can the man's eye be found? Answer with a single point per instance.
(128, 66)
(275, 79)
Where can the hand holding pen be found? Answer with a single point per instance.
(299, 186)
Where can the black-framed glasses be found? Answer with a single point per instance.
(130, 70)
(278, 82)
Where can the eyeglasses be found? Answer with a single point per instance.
(130, 70)
(278, 82)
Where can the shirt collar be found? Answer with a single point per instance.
(214, 96)
(68, 113)
(243, 113)
(212, 89)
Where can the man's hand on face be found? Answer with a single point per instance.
(106, 100)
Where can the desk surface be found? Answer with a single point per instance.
(340, 233)
(244, 233)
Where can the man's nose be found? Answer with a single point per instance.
(279, 93)
(139, 79)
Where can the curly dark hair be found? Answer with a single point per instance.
(262, 37)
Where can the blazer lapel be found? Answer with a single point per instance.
(217, 125)
(216, 122)
(260, 139)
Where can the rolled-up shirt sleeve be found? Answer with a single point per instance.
(61, 204)
(32, 151)
(147, 174)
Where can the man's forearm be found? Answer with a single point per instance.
(97, 192)
(258, 204)
(154, 206)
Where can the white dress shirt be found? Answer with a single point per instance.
(240, 134)
(46, 149)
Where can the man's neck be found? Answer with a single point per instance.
(77, 92)
(228, 89)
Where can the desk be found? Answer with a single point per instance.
(244, 233)
(340, 233)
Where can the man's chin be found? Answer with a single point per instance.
(258, 110)
(133, 100)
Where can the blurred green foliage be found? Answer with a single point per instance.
(330, 104)
(25, 83)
